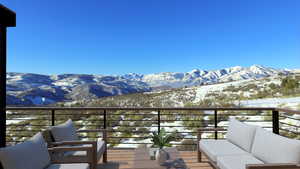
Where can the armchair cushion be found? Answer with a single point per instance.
(100, 150)
(236, 161)
(31, 154)
(215, 148)
(69, 166)
(241, 134)
(64, 132)
(272, 148)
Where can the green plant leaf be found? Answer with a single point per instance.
(162, 139)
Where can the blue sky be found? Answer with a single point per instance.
(148, 36)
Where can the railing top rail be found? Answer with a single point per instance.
(159, 108)
(141, 108)
(288, 110)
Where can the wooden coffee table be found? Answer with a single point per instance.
(142, 158)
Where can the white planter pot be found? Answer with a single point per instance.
(161, 156)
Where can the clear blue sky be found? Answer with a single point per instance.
(147, 36)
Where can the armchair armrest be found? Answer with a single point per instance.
(273, 166)
(57, 155)
(63, 143)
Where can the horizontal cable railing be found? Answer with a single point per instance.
(129, 127)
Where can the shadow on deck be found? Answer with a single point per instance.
(123, 159)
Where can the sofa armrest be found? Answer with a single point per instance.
(57, 154)
(273, 166)
(199, 133)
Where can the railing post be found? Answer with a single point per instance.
(216, 123)
(158, 121)
(105, 134)
(275, 121)
(104, 118)
(3, 86)
(52, 117)
(8, 19)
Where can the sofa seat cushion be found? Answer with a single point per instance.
(31, 154)
(69, 166)
(273, 148)
(100, 150)
(236, 161)
(215, 148)
(241, 134)
(64, 132)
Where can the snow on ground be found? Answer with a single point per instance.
(292, 122)
(62, 83)
(202, 91)
(170, 127)
(131, 140)
(292, 102)
(38, 100)
(154, 128)
(261, 124)
(18, 120)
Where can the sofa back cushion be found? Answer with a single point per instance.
(64, 132)
(241, 134)
(272, 148)
(31, 154)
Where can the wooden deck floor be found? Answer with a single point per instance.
(123, 159)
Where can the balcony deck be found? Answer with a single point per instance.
(123, 159)
(132, 126)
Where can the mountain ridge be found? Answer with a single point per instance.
(38, 89)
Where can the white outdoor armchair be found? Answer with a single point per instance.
(66, 135)
(33, 154)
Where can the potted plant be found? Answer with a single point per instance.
(160, 140)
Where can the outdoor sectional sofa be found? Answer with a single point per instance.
(249, 147)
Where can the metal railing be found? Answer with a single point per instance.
(132, 126)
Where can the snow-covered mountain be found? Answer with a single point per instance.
(199, 77)
(262, 92)
(36, 89)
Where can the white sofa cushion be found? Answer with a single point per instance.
(241, 134)
(272, 148)
(236, 161)
(214, 148)
(31, 154)
(69, 166)
(64, 132)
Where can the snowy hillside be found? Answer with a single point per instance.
(36, 89)
(264, 92)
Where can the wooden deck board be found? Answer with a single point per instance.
(123, 159)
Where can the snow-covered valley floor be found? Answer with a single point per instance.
(292, 102)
